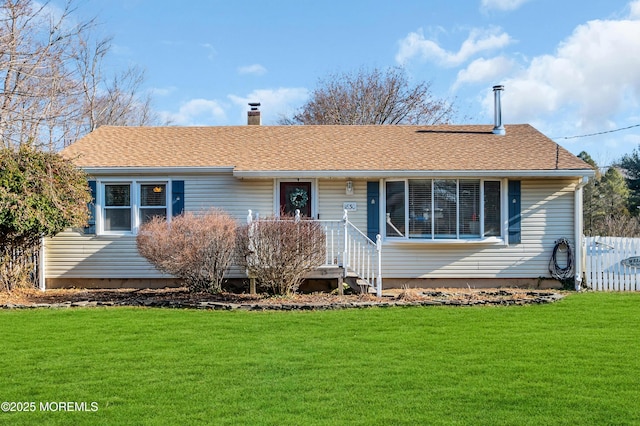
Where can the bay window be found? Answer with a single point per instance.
(442, 209)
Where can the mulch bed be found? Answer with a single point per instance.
(181, 298)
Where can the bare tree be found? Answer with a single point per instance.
(372, 97)
(618, 226)
(52, 86)
(114, 100)
(34, 44)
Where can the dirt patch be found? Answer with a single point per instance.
(180, 297)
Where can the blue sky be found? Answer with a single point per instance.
(569, 67)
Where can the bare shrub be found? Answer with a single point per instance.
(618, 226)
(409, 294)
(196, 248)
(280, 252)
(16, 268)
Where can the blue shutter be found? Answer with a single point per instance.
(515, 236)
(373, 210)
(177, 197)
(91, 206)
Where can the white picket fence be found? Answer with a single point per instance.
(612, 263)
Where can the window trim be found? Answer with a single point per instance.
(135, 202)
(501, 239)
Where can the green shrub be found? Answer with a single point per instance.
(41, 194)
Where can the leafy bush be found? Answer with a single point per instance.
(280, 252)
(196, 248)
(41, 194)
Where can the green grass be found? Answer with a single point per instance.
(574, 362)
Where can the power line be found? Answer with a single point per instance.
(598, 133)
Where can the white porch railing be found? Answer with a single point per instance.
(351, 249)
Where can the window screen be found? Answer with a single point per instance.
(492, 218)
(153, 201)
(420, 208)
(395, 219)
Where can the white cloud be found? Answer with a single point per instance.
(588, 85)
(211, 112)
(503, 4)
(209, 48)
(591, 77)
(197, 112)
(274, 102)
(485, 70)
(254, 69)
(162, 91)
(479, 40)
(635, 9)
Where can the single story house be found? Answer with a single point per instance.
(454, 205)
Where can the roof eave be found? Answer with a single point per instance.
(130, 171)
(311, 174)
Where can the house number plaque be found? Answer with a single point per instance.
(350, 206)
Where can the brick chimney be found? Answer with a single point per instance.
(498, 128)
(253, 115)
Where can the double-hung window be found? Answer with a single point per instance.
(117, 207)
(435, 209)
(153, 201)
(127, 205)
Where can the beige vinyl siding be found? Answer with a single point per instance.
(331, 196)
(232, 195)
(74, 255)
(547, 215)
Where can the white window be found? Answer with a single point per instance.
(442, 209)
(127, 205)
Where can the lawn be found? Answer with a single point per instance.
(576, 361)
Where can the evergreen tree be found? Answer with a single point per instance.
(614, 193)
(592, 203)
(630, 166)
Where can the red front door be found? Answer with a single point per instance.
(295, 196)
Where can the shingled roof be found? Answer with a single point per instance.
(325, 148)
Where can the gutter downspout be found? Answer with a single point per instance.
(578, 230)
(42, 273)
